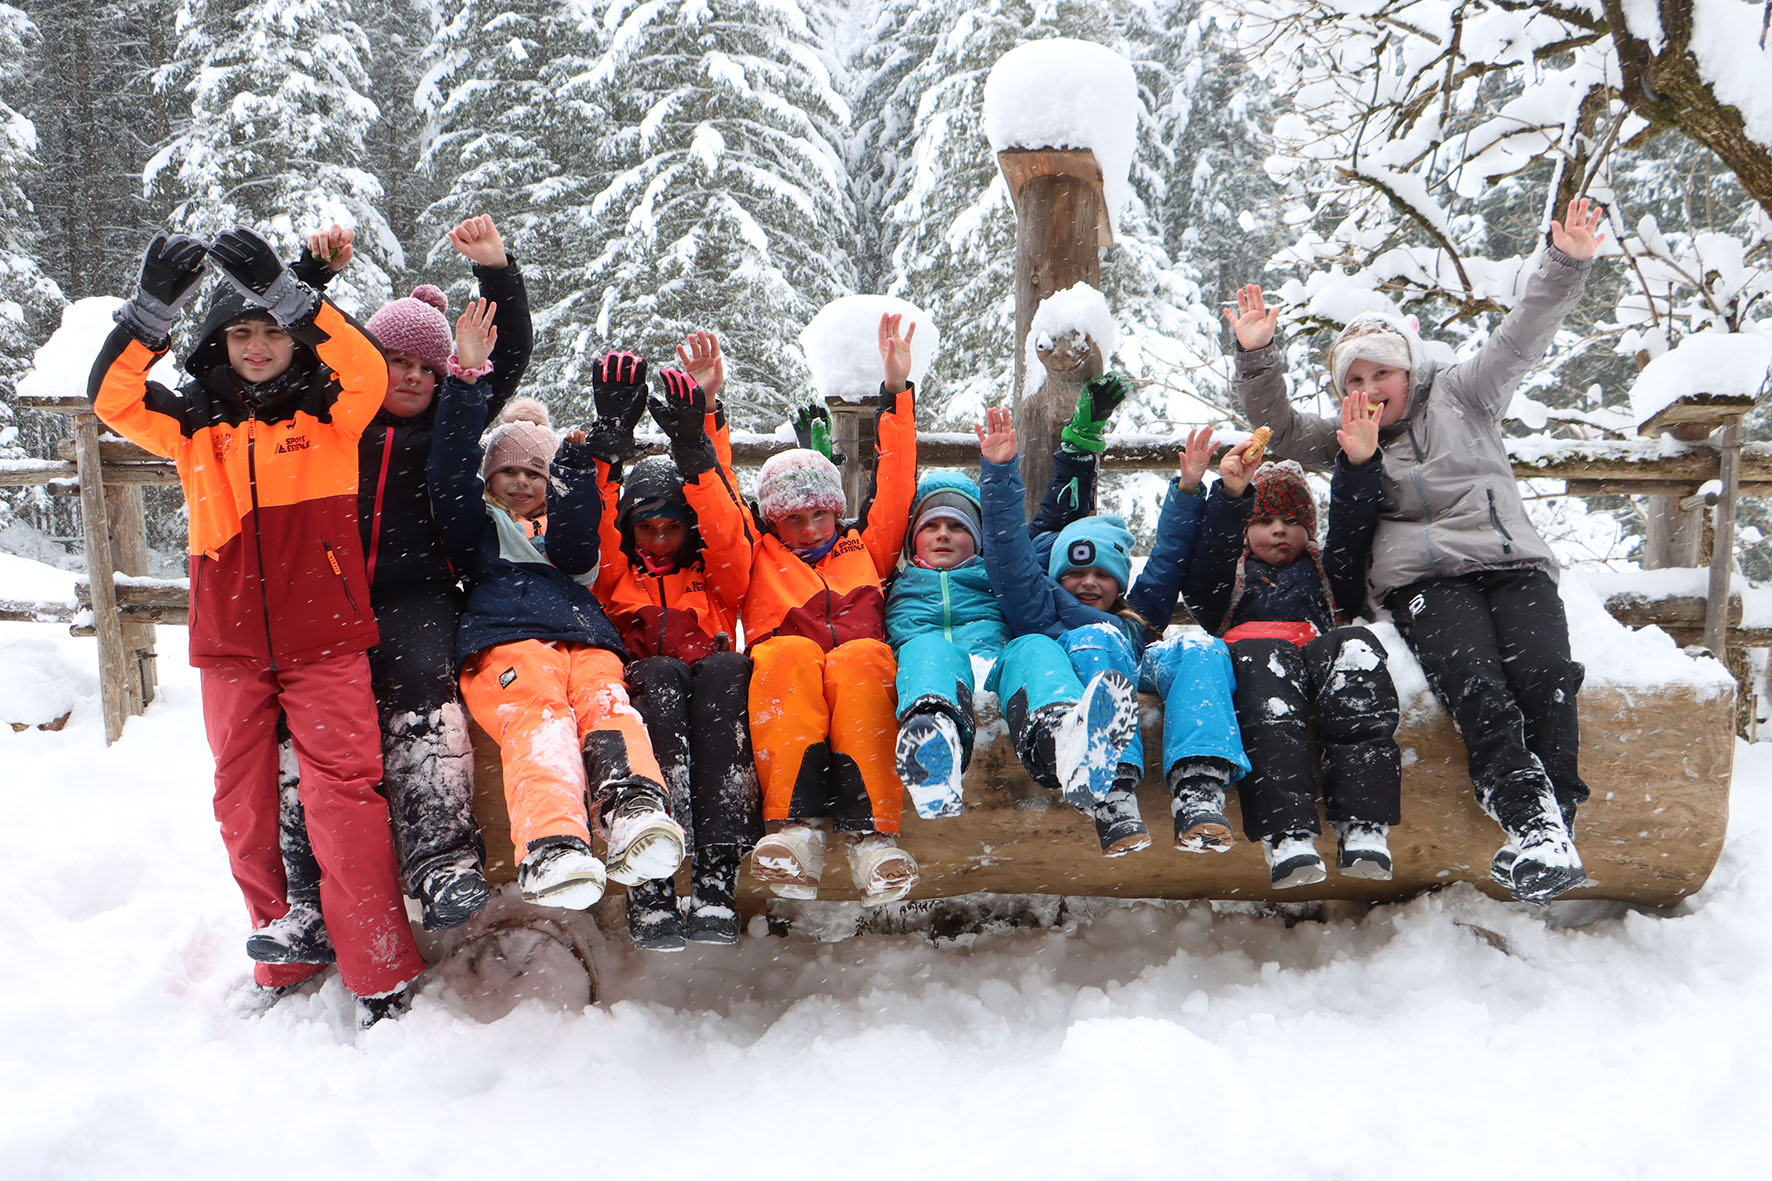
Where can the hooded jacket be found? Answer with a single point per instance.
(276, 565)
(1451, 503)
(958, 603)
(682, 613)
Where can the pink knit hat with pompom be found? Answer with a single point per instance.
(524, 438)
(417, 326)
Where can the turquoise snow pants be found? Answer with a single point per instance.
(934, 673)
(1192, 674)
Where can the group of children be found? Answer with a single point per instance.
(684, 673)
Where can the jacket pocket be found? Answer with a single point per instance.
(339, 573)
(197, 569)
(1507, 539)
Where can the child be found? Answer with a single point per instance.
(822, 698)
(1258, 580)
(1080, 604)
(685, 535)
(426, 751)
(265, 438)
(1456, 561)
(541, 664)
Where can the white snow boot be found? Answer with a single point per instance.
(791, 861)
(644, 842)
(880, 869)
(299, 937)
(929, 756)
(1091, 737)
(1364, 852)
(563, 872)
(1293, 860)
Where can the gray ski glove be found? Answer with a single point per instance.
(172, 268)
(253, 268)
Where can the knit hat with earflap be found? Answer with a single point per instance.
(799, 480)
(950, 496)
(417, 326)
(1101, 541)
(1378, 337)
(1281, 491)
(523, 439)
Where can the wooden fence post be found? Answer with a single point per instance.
(107, 624)
(126, 519)
(852, 435)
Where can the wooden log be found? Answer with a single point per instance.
(1658, 761)
(112, 656)
(127, 523)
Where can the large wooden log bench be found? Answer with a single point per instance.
(1658, 761)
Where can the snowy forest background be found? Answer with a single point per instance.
(661, 165)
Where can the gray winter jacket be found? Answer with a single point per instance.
(1451, 503)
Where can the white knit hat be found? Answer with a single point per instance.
(799, 480)
(524, 439)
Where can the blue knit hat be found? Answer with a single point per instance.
(1102, 541)
(950, 495)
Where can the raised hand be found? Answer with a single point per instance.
(332, 246)
(678, 412)
(812, 429)
(1358, 435)
(1579, 234)
(618, 388)
(996, 435)
(475, 334)
(249, 264)
(1196, 458)
(1254, 321)
(1233, 472)
(172, 267)
(476, 239)
(701, 360)
(895, 352)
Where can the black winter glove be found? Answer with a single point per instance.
(681, 414)
(172, 267)
(812, 427)
(618, 389)
(253, 268)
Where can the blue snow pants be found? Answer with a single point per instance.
(1097, 648)
(936, 673)
(1192, 674)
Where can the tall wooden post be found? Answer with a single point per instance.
(1674, 536)
(852, 435)
(1722, 558)
(113, 673)
(1061, 224)
(126, 519)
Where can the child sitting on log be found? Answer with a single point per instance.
(822, 689)
(1082, 604)
(265, 436)
(1258, 579)
(1456, 561)
(677, 549)
(541, 663)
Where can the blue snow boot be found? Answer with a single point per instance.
(1091, 738)
(928, 756)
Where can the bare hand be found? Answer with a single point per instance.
(475, 334)
(1254, 321)
(332, 246)
(477, 240)
(996, 435)
(1358, 435)
(1233, 473)
(1196, 458)
(1579, 239)
(702, 361)
(895, 352)
(575, 435)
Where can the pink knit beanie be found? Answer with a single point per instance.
(796, 481)
(418, 326)
(524, 438)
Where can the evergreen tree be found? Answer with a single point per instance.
(727, 203)
(400, 32)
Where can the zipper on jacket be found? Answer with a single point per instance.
(1507, 539)
(664, 611)
(332, 560)
(947, 610)
(258, 542)
(381, 485)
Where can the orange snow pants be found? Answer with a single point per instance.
(540, 702)
(824, 725)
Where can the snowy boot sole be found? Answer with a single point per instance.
(651, 853)
(1092, 737)
(928, 758)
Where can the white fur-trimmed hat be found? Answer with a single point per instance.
(1377, 337)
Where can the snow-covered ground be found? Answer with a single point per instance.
(1452, 1036)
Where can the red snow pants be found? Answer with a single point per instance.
(823, 725)
(539, 701)
(336, 733)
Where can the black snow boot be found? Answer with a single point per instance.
(653, 921)
(1117, 821)
(451, 893)
(1196, 792)
(713, 902)
(385, 1007)
(299, 937)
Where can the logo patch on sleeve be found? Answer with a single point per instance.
(506, 677)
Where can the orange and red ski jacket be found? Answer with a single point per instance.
(276, 561)
(680, 614)
(843, 596)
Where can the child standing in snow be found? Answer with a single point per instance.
(822, 695)
(265, 438)
(684, 532)
(1258, 580)
(1083, 606)
(426, 751)
(541, 663)
(1456, 561)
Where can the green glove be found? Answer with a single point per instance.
(812, 427)
(1094, 405)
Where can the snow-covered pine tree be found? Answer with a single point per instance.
(728, 205)
(276, 138)
(399, 32)
(511, 136)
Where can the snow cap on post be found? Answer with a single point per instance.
(1065, 93)
(842, 344)
(1730, 366)
(62, 365)
(1077, 311)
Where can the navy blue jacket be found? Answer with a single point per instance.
(1293, 592)
(518, 588)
